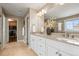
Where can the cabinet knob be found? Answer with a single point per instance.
(60, 54)
(56, 52)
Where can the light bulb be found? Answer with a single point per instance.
(61, 3)
(10, 20)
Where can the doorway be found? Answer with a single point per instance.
(12, 30)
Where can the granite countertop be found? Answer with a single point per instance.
(58, 37)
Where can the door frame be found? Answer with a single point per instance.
(27, 26)
(8, 30)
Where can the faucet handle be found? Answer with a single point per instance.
(66, 35)
(72, 36)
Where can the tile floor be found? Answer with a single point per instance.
(16, 49)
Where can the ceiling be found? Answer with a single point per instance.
(20, 9)
(58, 11)
(65, 10)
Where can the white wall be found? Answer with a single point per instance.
(1, 31)
(27, 28)
(19, 28)
(1, 27)
(4, 30)
(38, 21)
(25, 37)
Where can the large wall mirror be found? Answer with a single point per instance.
(71, 25)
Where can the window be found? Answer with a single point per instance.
(72, 25)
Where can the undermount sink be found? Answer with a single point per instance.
(62, 38)
(74, 41)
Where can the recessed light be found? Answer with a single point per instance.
(10, 20)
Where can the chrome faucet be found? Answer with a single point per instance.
(72, 36)
(67, 35)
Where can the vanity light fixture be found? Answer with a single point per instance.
(42, 12)
(39, 14)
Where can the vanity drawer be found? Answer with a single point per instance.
(41, 51)
(52, 43)
(66, 47)
(61, 53)
(42, 48)
(41, 40)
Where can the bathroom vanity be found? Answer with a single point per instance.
(53, 45)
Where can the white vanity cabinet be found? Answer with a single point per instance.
(61, 53)
(52, 50)
(38, 45)
(64, 49)
(32, 42)
(41, 46)
(52, 47)
(55, 52)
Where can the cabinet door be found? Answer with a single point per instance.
(32, 43)
(36, 46)
(41, 50)
(51, 51)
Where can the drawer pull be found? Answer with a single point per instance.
(60, 54)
